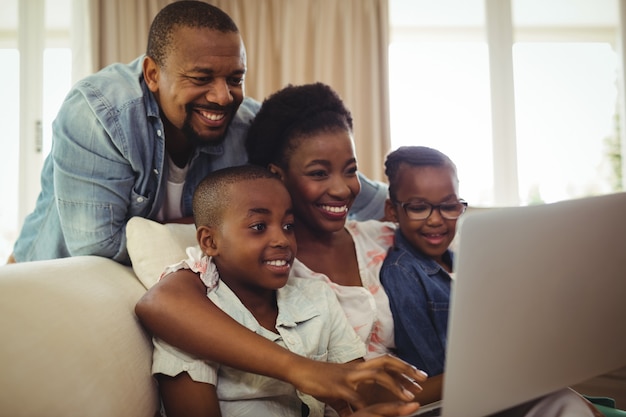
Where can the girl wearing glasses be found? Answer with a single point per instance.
(417, 273)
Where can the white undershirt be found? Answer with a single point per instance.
(172, 202)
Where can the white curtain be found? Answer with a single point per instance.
(83, 35)
(342, 43)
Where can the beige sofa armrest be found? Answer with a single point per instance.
(71, 344)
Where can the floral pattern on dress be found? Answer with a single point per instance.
(199, 263)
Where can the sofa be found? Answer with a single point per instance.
(71, 343)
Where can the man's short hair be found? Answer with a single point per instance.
(186, 13)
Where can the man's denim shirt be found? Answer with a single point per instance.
(109, 128)
(107, 164)
(419, 296)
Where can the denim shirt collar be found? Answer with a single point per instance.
(152, 107)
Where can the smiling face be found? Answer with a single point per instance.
(321, 179)
(434, 185)
(255, 245)
(201, 84)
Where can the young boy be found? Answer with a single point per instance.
(244, 227)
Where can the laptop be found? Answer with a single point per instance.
(538, 303)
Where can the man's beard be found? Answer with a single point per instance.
(194, 137)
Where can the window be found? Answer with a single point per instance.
(34, 78)
(9, 119)
(565, 100)
(564, 81)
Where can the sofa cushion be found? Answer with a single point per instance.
(152, 246)
(71, 343)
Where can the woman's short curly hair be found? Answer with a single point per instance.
(294, 112)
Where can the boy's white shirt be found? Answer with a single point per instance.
(310, 320)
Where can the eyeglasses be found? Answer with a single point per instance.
(421, 210)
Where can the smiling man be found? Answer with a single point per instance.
(136, 139)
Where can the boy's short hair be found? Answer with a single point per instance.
(419, 156)
(212, 196)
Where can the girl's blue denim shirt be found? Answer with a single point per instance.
(419, 295)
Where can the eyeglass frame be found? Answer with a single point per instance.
(404, 204)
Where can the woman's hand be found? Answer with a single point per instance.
(327, 381)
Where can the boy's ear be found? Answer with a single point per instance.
(276, 170)
(391, 211)
(205, 235)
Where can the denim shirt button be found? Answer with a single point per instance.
(140, 199)
(156, 171)
(158, 132)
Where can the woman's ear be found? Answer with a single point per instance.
(276, 170)
(391, 211)
(205, 235)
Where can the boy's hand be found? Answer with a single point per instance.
(327, 381)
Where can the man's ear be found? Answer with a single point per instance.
(276, 170)
(151, 73)
(391, 211)
(205, 236)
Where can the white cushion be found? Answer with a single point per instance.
(152, 246)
